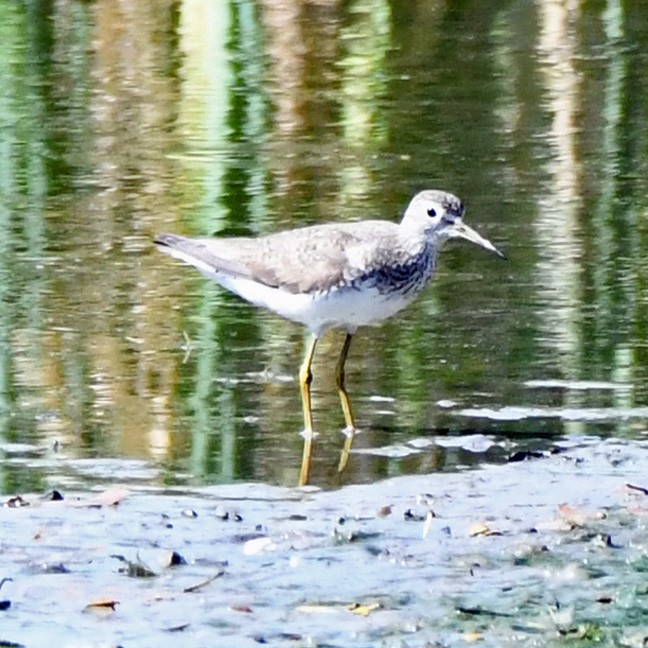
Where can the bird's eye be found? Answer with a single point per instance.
(432, 212)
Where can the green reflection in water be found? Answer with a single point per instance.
(243, 118)
(234, 191)
(23, 190)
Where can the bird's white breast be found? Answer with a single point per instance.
(347, 308)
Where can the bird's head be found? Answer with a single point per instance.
(440, 215)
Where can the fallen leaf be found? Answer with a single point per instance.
(197, 586)
(134, 569)
(579, 517)
(472, 637)
(479, 529)
(384, 511)
(110, 497)
(108, 604)
(16, 502)
(364, 609)
(637, 489)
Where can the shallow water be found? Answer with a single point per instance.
(118, 122)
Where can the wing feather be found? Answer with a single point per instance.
(304, 260)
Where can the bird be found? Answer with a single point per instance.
(336, 275)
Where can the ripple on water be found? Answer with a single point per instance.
(519, 413)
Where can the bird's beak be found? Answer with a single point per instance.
(461, 230)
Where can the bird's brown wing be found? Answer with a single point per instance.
(303, 260)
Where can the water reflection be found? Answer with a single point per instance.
(201, 116)
(559, 202)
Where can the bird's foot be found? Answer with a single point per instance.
(308, 435)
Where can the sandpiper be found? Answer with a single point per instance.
(334, 275)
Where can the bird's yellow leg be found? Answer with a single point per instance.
(346, 403)
(305, 380)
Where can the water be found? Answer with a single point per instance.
(118, 122)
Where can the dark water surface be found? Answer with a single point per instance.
(122, 120)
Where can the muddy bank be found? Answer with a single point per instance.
(526, 553)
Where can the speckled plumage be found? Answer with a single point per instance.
(310, 260)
